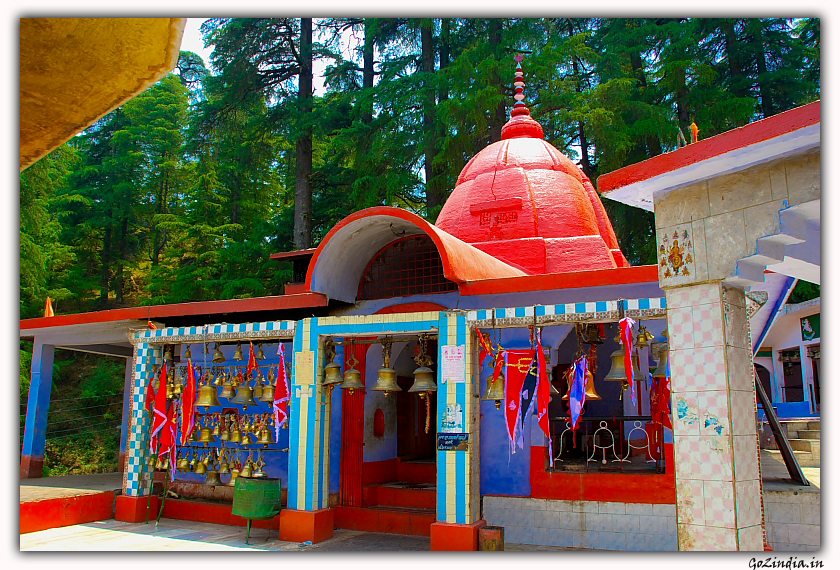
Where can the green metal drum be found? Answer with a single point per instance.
(256, 498)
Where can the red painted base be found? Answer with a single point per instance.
(300, 526)
(416, 523)
(448, 537)
(31, 466)
(133, 509)
(65, 511)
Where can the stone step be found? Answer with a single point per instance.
(400, 494)
(804, 444)
(794, 425)
(814, 425)
(809, 434)
(395, 520)
(804, 458)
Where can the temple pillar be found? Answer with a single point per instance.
(126, 412)
(37, 407)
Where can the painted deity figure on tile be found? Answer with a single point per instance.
(675, 254)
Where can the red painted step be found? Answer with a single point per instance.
(400, 494)
(417, 471)
(395, 520)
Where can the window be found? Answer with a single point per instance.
(408, 266)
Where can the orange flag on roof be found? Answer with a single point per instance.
(48, 310)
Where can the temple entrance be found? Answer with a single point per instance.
(413, 441)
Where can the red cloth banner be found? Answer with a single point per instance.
(517, 365)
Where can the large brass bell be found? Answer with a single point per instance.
(662, 364)
(618, 373)
(386, 377)
(207, 397)
(238, 354)
(183, 464)
(236, 436)
(225, 435)
(332, 374)
(352, 377)
(244, 397)
(424, 381)
(218, 357)
(212, 479)
(495, 391)
(267, 394)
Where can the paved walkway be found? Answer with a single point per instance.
(68, 486)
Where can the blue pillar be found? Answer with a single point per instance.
(38, 404)
(126, 411)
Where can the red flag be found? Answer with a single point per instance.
(517, 365)
(150, 395)
(188, 408)
(484, 345)
(48, 310)
(543, 395)
(159, 419)
(281, 395)
(252, 362)
(626, 325)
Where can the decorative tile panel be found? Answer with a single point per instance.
(675, 255)
(719, 503)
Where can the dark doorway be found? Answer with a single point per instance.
(814, 354)
(792, 367)
(764, 377)
(412, 440)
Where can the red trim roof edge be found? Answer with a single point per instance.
(759, 131)
(277, 302)
(571, 280)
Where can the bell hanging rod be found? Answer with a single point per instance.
(392, 338)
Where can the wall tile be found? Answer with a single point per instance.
(736, 326)
(739, 369)
(778, 179)
(612, 541)
(782, 513)
(612, 508)
(681, 328)
(691, 506)
(750, 539)
(666, 510)
(726, 237)
(748, 503)
(803, 178)
(636, 542)
(745, 456)
(740, 190)
(590, 539)
(742, 412)
(761, 221)
(776, 532)
(644, 509)
(658, 525)
(701, 256)
(597, 522)
(625, 523)
(707, 325)
(574, 521)
(686, 419)
(675, 255)
(720, 503)
(683, 205)
(713, 410)
(806, 534)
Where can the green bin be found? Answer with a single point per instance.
(256, 498)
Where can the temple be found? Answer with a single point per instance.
(523, 254)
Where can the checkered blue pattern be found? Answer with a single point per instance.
(162, 334)
(137, 472)
(578, 310)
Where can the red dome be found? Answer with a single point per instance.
(524, 202)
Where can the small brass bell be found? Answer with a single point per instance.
(244, 397)
(258, 390)
(591, 394)
(352, 377)
(234, 473)
(592, 335)
(644, 337)
(225, 435)
(183, 464)
(495, 391)
(218, 357)
(192, 464)
(205, 436)
(228, 391)
(260, 353)
(206, 348)
(265, 438)
(196, 433)
(167, 354)
(238, 354)
(246, 470)
(207, 397)
(188, 353)
(236, 436)
(200, 468)
(267, 394)
(246, 440)
(223, 468)
(217, 430)
(218, 379)
(212, 479)
(159, 463)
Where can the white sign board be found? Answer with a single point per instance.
(453, 363)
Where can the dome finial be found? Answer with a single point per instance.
(519, 107)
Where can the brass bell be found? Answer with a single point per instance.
(218, 357)
(592, 335)
(618, 373)
(258, 390)
(225, 435)
(644, 337)
(159, 463)
(167, 354)
(235, 436)
(662, 364)
(265, 437)
(228, 391)
(246, 470)
(352, 377)
(244, 397)
(207, 397)
(196, 433)
(332, 374)
(424, 381)
(205, 436)
(238, 354)
(234, 473)
(200, 468)
(259, 472)
(223, 468)
(192, 464)
(212, 479)
(495, 391)
(591, 394)
(183, 464)
(260, 353)
(218, 379)
(217, 430)
(267, 394)
(386, 381)
(188, 353)
(246, 440)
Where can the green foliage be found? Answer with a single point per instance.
(804, 291)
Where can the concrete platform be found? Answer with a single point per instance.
(68, 486)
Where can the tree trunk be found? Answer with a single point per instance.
(367, 68)
(757, 41)
(303, 164)
(497, 120)
(736, 71)
(427, 62)
(105, 260)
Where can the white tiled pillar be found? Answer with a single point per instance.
(713, 406)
